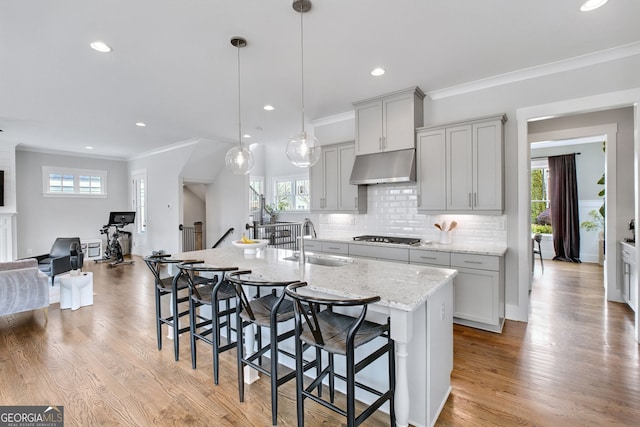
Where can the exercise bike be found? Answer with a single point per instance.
(113, 253)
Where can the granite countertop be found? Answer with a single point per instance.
(495, 249)
(401, 286)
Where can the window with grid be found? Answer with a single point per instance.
(291, 193)
(540, 219)
(68, 182)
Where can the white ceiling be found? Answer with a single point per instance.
(172, 65)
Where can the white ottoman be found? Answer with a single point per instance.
(76, 291)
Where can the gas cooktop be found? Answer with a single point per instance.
(388, 239)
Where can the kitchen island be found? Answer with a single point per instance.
(418, 300)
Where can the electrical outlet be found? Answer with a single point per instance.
(29, 251)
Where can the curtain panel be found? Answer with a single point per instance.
(564, 207)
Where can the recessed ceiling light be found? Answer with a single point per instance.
(141, 124)
(269, 107)
(88, 147)
(377, 72)
(592, 4)
(100, 46)
(246, 135)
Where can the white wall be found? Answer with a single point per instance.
(41, 219)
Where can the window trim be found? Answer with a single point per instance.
(76, 172)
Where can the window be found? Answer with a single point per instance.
(67, 182)
(540, 219)
(139, 202)
(256, 190)
(291, 193)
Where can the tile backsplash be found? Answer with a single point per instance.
(392, 210)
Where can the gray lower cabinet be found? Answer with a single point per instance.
(478, 291)
(379, 252)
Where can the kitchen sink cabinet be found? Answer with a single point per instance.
(329, 180)
(388, 123)
(629, 275)
(460, 167)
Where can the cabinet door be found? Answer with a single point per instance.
(369, 127)
(487, 166)
(348, 193)
(330, 170)
(432, 170)
(476, 295)
(633, 287)
(460, 164)
(316, 186)
(398, 122)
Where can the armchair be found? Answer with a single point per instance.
(65, 254)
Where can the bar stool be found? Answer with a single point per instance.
(169, 285)
(264, 310)
(318, 325)
(537, 238)
(209, 291)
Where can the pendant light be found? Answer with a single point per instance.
(239, 158)
(303, 150)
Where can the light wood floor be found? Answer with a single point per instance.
(574, 363)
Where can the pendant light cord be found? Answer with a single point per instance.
(239, 122)
(302, 61)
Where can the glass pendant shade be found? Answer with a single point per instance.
(303, 151)
(239, 159)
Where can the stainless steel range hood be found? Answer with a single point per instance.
(385, 167)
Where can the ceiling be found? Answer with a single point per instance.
(173, 67)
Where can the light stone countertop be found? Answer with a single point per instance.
(400, 286)
(494, 249)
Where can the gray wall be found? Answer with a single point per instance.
(41, 219)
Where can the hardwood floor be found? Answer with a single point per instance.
(574, 363)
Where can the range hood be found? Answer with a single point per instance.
(385, 167)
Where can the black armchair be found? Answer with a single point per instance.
(65, 255)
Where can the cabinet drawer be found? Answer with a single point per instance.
(480, 262)
(429, 257)
(379, 252)
(335, 248)
(312, 245)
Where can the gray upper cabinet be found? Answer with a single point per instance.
(461, 167)
(388, 123)
(330, 187)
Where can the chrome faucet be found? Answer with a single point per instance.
(305, 224)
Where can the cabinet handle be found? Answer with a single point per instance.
(472, 262)
(355, 202)
(380, 143)
(428, 257)
(470, 200)
(384, 142)
(475, 200)
(333, 248)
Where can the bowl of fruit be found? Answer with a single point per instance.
(250, 245)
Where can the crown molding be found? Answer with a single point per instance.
(576, 62)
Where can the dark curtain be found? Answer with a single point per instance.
(564, 207)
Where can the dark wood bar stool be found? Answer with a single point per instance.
(263, 304)
(215, 292)
(317, 324)
(170, 285)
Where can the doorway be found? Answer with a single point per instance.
(526, 115)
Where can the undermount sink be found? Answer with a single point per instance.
(326, 260)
